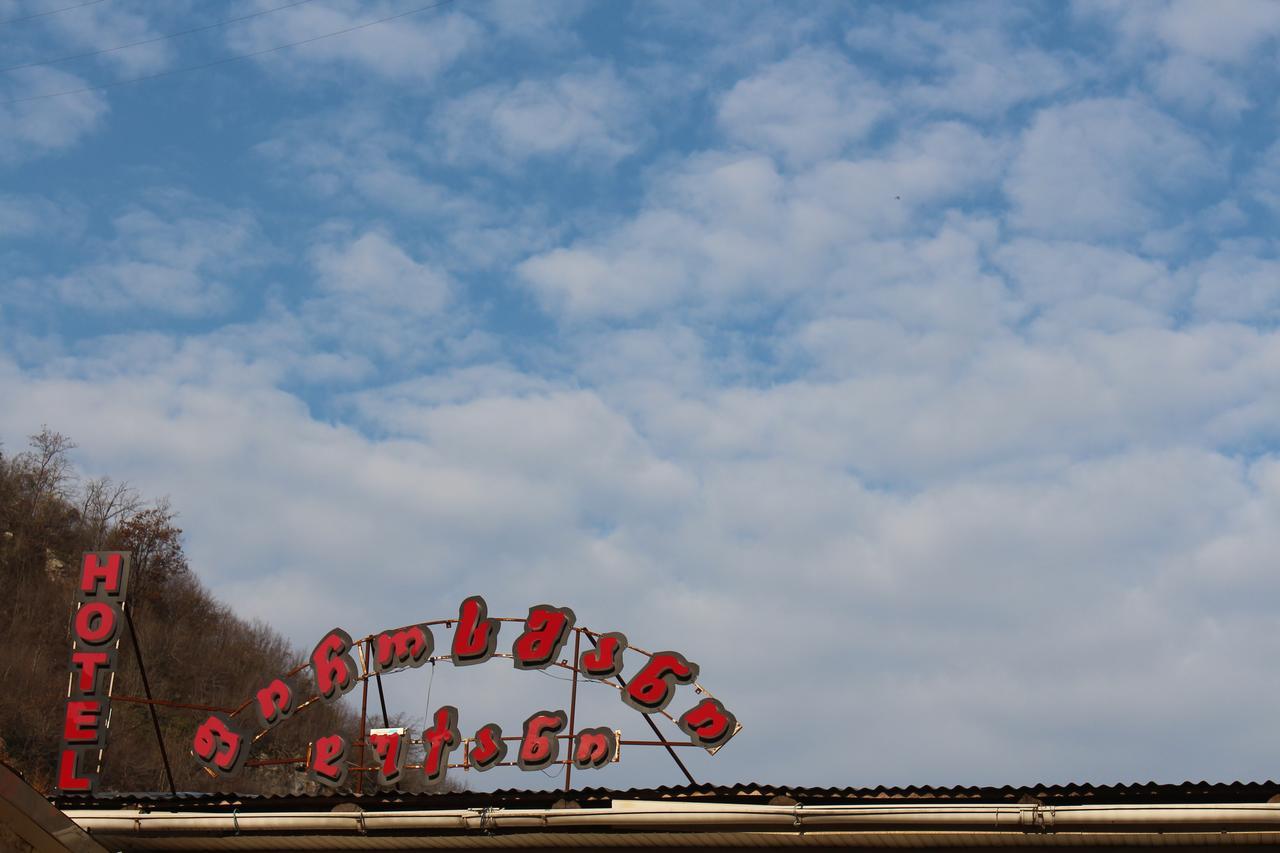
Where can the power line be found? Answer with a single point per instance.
(226, 59)
(155, 39)
(50, 12)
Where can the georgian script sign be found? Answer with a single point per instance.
(338, 663)
(95, 641)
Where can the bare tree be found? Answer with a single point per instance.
(48, 463)
(103, 503)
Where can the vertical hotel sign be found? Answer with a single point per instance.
(95, 635)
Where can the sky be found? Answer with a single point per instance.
(912, 368)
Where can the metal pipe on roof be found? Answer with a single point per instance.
(632, 816)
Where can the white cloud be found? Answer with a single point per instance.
(586, 117)
(1229, 33)
(41, 127)
(544, 26)
(373, 270)
(1236, 286)
(1104, 168)
(171, 257)
(373, 300)
(1196, 85)
(358, 151)
(723, 229)
(1263, 181)
(29, 215)
(357, 161)
(965, 62)
(1067, 286)
(812, 105)
(106, 26)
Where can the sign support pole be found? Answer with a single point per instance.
(146, 686)
(382, 700)
(364, 710)
(573, 708)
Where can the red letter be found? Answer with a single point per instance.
(540, 746)
(95, 624)
(440, 740)
(545, 631)
(88, 664)
(334, 668)
(68, 781)
(406, 647)
(490, 748)
(104, 581)
(328, 764)
(477, 635)
(651, 689)
(594, 748)
(390, 747)
(83, 719)
(274, 703)
(604, 661)
(219, 746)
(708, 724)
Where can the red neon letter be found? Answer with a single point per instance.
(490, 749)
(440, 740)
(68, 781)
(334, 668)
(545, 631)
(219, 746)
(82, 721)
(274, 703)
(406, 647)
(86, 683)
(708, 724)
(594, 748)
(477, 635)
(95, 623)
(111, 576)
(652, 687)
(604, 661)
(329, 761)
(390, 747)
(540, 746)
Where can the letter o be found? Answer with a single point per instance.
(95, 623)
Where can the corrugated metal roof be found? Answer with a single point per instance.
(746, 792)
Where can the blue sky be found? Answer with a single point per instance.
(942, 337)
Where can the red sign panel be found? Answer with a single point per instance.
(96, 626)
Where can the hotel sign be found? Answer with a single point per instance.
(95, 641)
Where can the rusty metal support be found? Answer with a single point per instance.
(146, 687)
(573, 707)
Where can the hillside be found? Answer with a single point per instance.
(48, 517)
